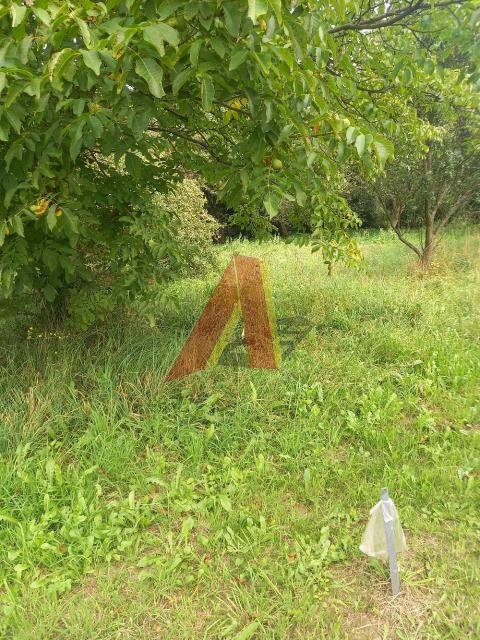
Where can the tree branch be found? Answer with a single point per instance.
(391, 17)
(199, 143)
(452, 211)
(405, 241)
(394, 225)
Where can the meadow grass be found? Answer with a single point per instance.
(231, 504)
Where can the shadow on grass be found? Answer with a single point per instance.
(291, 331)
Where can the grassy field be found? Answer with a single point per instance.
(231, 504)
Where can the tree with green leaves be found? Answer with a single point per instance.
(426, 191)
(435, 176)
(103, 104)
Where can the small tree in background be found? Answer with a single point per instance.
(429, 189)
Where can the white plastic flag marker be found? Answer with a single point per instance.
(383, 536)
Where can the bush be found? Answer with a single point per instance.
(158, 237)
(193, 229)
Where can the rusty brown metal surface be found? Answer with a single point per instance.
(242, 281)
(258, 333)
(208, 328)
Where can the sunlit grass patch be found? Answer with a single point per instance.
(236, 498)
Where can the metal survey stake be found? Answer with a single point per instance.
(392, 554)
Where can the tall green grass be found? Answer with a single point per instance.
(234, 501)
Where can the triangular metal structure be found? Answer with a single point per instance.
(243, 290)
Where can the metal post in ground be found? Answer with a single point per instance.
(392, 554)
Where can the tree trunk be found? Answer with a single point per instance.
(397, 210)
(429, 213)
(428, 249)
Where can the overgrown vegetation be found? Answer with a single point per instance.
(102, 105)
(135, 136)
(231, 504)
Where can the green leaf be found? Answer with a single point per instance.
(218, 45)
(152, 35)
(72, 221)
(208, 91)
(12, 95)
(9, 193)
(180, 80)
(256, 8)
(159, 31)
(194, 52)
(15, 151)
(149, 70)
(133, 164)
(33, 88)
(271, 204)
(233, 17)
(167, 7)
(276, 5)
(85, 32)
(75, 149)
(17, 12)
(322, 34)
(78, 106)
(42, 15)
(14, 120)
(268, 110)
(226, 503)
(351, 134)
(407, 76)
(247, 632)
(58, 62)
(51, 217)
(76, 139)
(24, 48)
(360, 144)
(96, 126)
(92, 61)
(300, 195)
(429, 66)
(311, 157)
(17, 225)
(3, 232)
(50, 258)
(383, 149)
(285, 133)
(3, 81)
(239, 56)
(49, 293)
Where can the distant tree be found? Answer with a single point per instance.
(428, 194)
(428, 188)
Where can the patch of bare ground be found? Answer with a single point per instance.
(293, 506)
(472, 427)
(363, 600)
